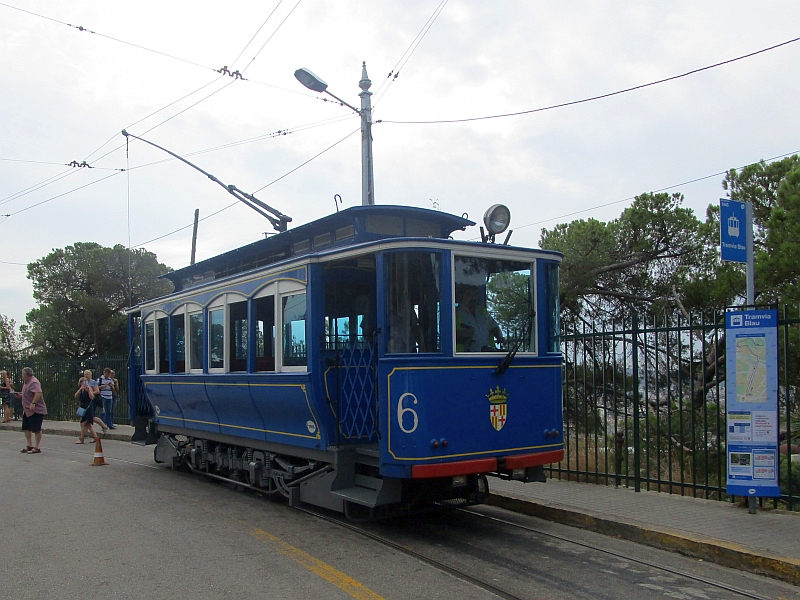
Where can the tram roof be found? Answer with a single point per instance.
(354, 225)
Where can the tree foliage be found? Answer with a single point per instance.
(81, 291)
(639, 261)
(11, 342)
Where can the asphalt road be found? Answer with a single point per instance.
(136, 530)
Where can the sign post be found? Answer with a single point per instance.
(736, 238)
(751, 399)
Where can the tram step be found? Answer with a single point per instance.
(359, 495)
(368, 456)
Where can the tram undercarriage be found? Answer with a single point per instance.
(348, 482)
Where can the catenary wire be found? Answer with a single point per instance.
(81, 28)
(599, 97)
(106, 154)
(155, 112)
(663, 189)
(272, 12)
(64, 193)
(42, 162)
(308, 161)
(412, 47)
(274, 134)
(39, 185)
(63, 174)
(252, 60)
(237, 202)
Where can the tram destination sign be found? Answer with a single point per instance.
(751, 351)
(733, 228)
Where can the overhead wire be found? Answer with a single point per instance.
(63, 174)
(22, 210)
(66, 173)
(81, 28)
(224, 208)
(274, 134)
(38, 186)
(252, 60)
(598, 97)
(256, 33)
(663, 189)
(404, 58)
(109, 37)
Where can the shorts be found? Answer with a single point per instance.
(88, 416)
(32, 423)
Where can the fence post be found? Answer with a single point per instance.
(637, 475)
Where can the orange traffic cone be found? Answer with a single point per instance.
(99, 459)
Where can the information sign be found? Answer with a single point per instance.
(733, 230)
(751, 362)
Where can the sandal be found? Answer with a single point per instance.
(26, 449)
(80, 441)
(34, 451)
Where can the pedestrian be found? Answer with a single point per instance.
(5, 396)
(107, 391)
(114, 398)
(87, 390)
(33, 410)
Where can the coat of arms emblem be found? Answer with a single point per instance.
(498, 407)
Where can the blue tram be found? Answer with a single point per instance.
(364, 362)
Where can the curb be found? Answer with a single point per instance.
(54, 430)
(713, 550)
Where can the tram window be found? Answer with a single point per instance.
(216, 339)
(265, 333)
(349, 301)
(294, 330)
(414, 301)
(494, 306)
(179, 342)
(163, 345)
(150, 346)
(420, 228)
(195, 341)
(385, 224)
(237, 332)
(553, 308)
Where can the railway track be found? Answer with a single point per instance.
(504, 593)
(461, 573)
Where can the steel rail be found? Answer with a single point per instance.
(457, 573)
(711, 582)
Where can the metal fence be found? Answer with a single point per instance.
(59, 379)
(644, 404)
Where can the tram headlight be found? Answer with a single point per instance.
(497, 218)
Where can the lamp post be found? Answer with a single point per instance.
(316, 84)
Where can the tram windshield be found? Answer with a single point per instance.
(494, 305)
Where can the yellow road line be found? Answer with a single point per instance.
(347, 584)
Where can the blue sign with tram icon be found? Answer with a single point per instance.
(733, 230)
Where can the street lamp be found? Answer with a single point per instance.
(316, 84)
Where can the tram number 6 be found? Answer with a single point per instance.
(403, 410)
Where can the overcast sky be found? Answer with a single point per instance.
(65, 92)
